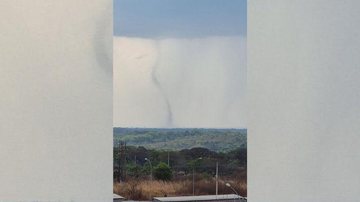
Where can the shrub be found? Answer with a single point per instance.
(162, 172)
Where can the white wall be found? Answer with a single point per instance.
(304, 92)
(55, 100)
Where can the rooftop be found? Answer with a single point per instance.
(115, 196)
(199, 198)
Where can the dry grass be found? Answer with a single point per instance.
(146, 189)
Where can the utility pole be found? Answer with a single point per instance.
(151, 172)
(194, 164)
(168, 153)
(217, 177)
(122, 160)
(193, 175)
(237, 194)
(168, 158)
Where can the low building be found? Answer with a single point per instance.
(202, 198)
(118, 198)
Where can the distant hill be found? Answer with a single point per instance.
(183, 138)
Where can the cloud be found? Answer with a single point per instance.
(199, 82)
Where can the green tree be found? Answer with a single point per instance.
(162, 172)
(133, 170)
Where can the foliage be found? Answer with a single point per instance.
(219, 140)
(162, 172)
(145, 190)
(134, 170)
(184, 161)
(191, 154)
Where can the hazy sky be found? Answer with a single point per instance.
(179, 18)
(180, 63)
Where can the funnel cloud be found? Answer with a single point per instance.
(199, 82)
(180, 63)
(156, 82)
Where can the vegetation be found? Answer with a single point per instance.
(146, 189)
(220, 140)
(162, 172)
(179, 163)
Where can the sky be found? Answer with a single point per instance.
(179, 18)
(180, 63)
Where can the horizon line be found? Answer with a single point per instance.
(177, 127)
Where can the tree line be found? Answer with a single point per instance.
(140, 162)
